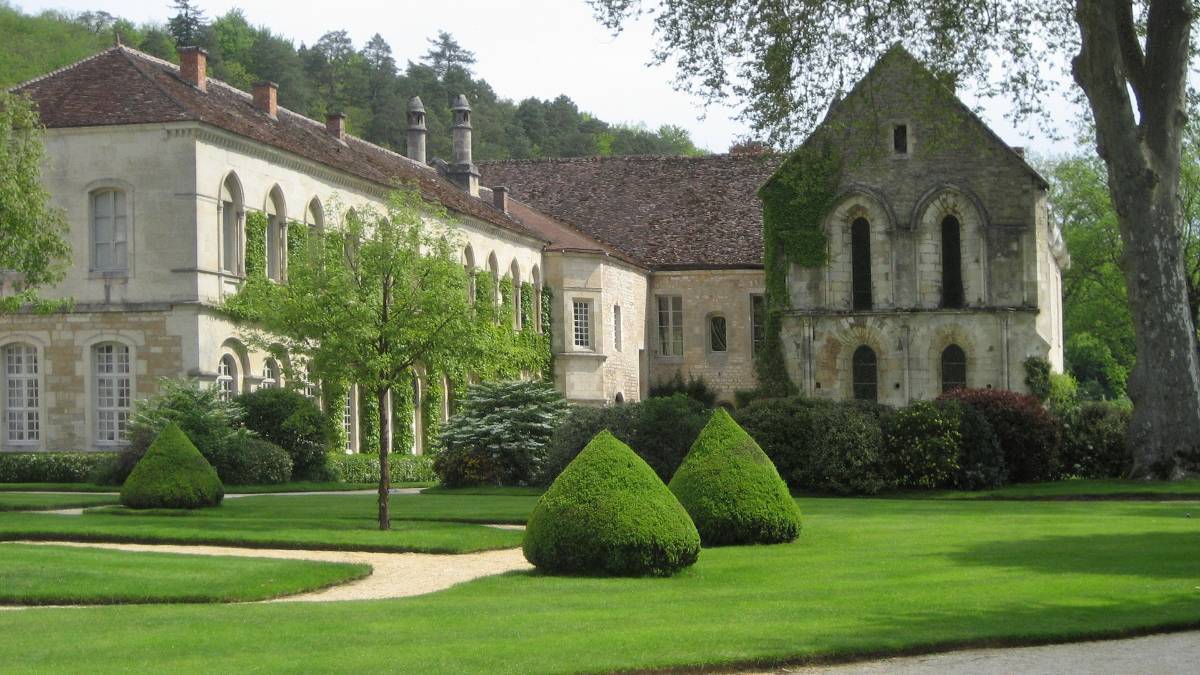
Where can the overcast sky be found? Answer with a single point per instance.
(524, 48)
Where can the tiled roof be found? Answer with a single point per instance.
(124, 86)
(665, 212)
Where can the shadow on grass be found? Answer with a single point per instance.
(1171, 555)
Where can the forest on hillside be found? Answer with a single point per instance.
(334, 75)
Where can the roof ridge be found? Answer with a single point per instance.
(63, 69)
(138, 67)
(616, 158)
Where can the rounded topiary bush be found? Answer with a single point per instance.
(608, 513)
(249, 460)
(731, 489)
(172, 475)
(293, 422)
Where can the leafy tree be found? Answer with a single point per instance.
(445, 53)
(33, 249)
(187, 26)
(371, 302)
(786, 61)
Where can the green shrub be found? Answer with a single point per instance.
(248, 460)
(208, 421)
(980, 459)
(54, 467)
(1092, 363)
(1037, 377)
(1028, 435)
(922, 445)
(608, 513)
(695, 388)
(780, 425)
(363, 468)
(660, 430)
(1064, 392)
(290, 420)
(500, 434)
(1094, 441)
(172, 475)
(731, 489)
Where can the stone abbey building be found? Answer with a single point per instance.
(942, 268)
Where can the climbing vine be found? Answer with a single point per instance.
(256, 244)
(795, 202)
(297, 242)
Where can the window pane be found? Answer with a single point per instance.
(717, 333)
(865, 374)
(114, 391)
(757, 321)
(583, 335)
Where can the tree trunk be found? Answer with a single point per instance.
(1142, 151)
(385, 474)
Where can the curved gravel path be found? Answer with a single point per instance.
(393, 575)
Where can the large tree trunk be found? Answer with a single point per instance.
(385, 474)
(1142, 153)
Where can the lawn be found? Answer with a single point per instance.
(33, 574)
(42, 501)
(328, 522)
(1094, 488)
(869, 576)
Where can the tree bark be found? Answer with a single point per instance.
(1143, 156)
(385, 474)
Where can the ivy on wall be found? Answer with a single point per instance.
(256, 244)
(297, 241)
(795, 202)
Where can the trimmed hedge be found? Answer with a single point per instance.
(731, 489)
(254, 461)
(1028, 435)
(1095, 441)
(922, 444)
(609, 514)
(55, 467)
(291, 421)
(364, 468)
(173, 475)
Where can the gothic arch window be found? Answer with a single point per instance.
(227, 377)
(954, 368)
(109, 230)
(536, 314)
(276, 234)
(314, 216)
(860, 263)
(494, 271)
(469, 265)
(232, 209)
(952, 276)
(518, 319)
(22, 394)
(865, 371)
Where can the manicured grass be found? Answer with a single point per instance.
(58, 487)
(492, 490)
(866, 577)
(327, 522)
(33, 574)
(314, 486)
(1084, 489)
(18, 501)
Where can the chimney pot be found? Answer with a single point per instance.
(463, 171)
(416, 130)
(266, 95)
(500, 198)
(335, 123)
(193, 67)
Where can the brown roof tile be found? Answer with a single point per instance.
(666, 212)
(124, 86)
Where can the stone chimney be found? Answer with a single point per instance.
(462, 169)
(335, 124)
(500, 198)
(416, 130)
(266, 95)
(193, 67)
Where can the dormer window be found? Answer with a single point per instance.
(900, 139)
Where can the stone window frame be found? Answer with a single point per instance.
(275, 210)
(618, 327)
(469, 266)
(237, 229)
(758, 321)
(710, 333)
(955, 334)
(93, 189)
(860, 201)
(588, 324)
(855, 381)
(272, 377)
(39, 352)
(93, 420)
(228, 377)
(948, 199)
(966, 368)
(514, 271)
(673, 327)
(910, 137)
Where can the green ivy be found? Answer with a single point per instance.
(526, 304)
(297, 241)
(547, 319)
(795, 202)
(256, 244)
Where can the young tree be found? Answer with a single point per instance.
(33, 249)
(445, 52)
(187, 26)
(371, 303)
(787, 61)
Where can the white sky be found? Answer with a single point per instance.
(524, 48)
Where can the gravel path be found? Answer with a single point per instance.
(394, 575)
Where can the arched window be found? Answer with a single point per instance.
(352, 229)
(110, 231)
(866, 374)
(270, 374)
(114, 391)
(860, 262)
(518, 319)
(494, 271)
(22, 395)
(536, 315)
(954, 368)
(717, 339)
(227, 377)
(619, 399)
(232, 214)
(276, 234)
(312, 389)
(314, 216)
(469, 266)
(952, 277)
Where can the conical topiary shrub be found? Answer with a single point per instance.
(608, 513)
(172, 475)
(731, 489)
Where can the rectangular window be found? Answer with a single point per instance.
(617, 327)
(670, 325)
(716, 332)
(348, 420)
(114, 392)
(583, 323)
(758, 322)
(22, 394)
(109, 231)
(900, 139)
